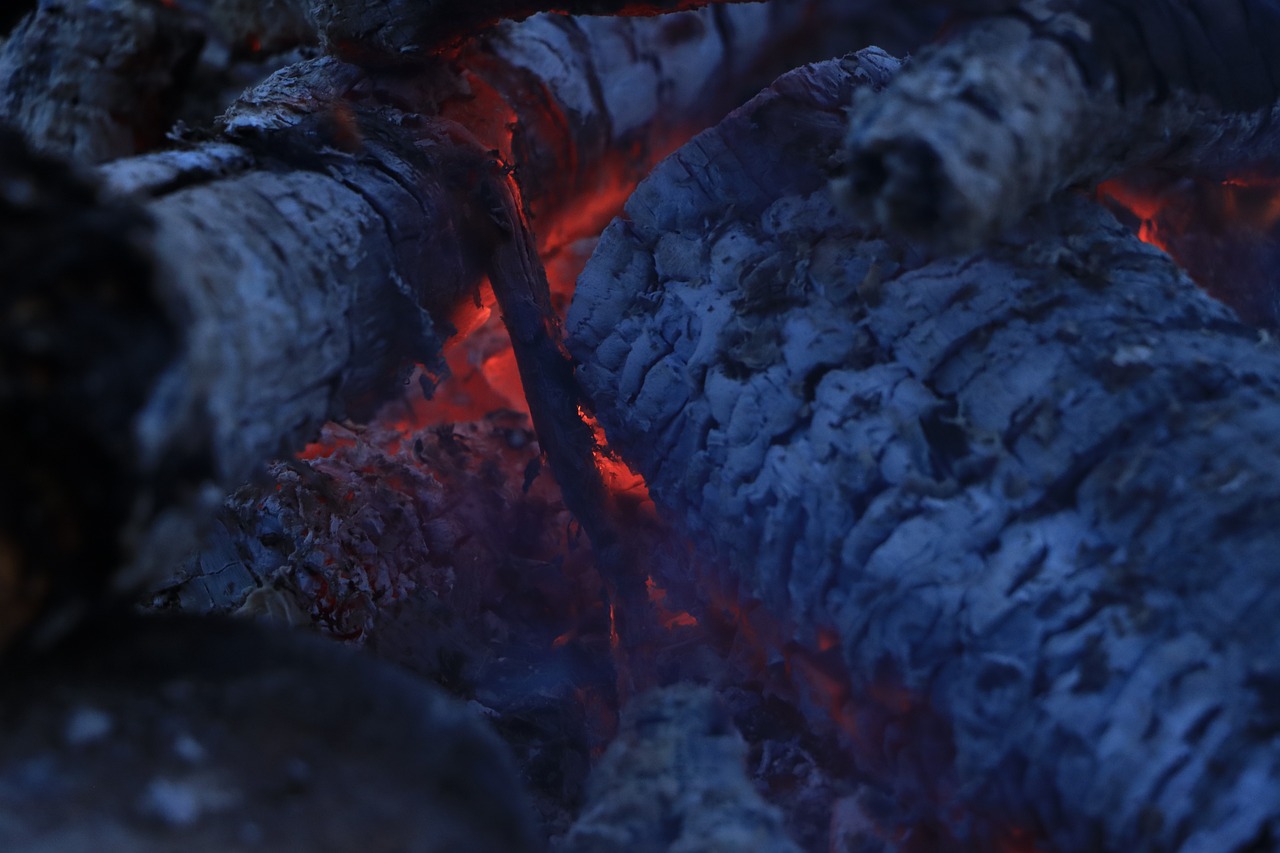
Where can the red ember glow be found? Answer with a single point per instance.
(1249, 204)
(670, 619)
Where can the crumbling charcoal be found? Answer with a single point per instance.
(165, 734)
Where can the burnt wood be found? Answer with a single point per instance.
(1024, 498)
(315, 250)
(384, 32)
(1019, 105)
(95, 81)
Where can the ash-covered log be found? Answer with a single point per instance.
(1012, 513)
(96, 81)
(1062, 92)
(208, 735)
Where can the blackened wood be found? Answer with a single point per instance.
(1020, 105)
(317, 249)
(209, 735)
(1025, 498)
(400, 31)
(83, 337)
(95, 81)
(446, 551)
(675, 779)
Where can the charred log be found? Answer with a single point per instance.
(83, 340)
(324, 243)
(404, 31)
(96, 81)
(207, 735)
(1014, 508)
(1023, 104)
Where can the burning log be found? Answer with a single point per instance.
(329, 239)
(209, 735)
(1011, 512)
(1050, 95)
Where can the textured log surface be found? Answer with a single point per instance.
(320, 245)
(1025, 497)
(1023, 104)
(400, 31)
(80, 344)
(205, 735)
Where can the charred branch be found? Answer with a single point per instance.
(1021, 499)
(1021, 105)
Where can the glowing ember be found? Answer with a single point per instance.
(669, 619)
(1225, 235)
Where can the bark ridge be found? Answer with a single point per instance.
(1029, 490)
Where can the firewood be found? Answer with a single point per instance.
(94, 81)
(82, 341)
(323, 243)
(400, 31)
(210, 735)
(1021, 105)
(674, 779)
(1016, 507)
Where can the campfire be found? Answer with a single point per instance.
(627, 426)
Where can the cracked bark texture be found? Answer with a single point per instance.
(1023, 499)
(1058, 93)
(321, 244)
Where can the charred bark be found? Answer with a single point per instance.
(1054, 94)
(96, 81)
(1023, 498)
(406, 31)
(322, 244)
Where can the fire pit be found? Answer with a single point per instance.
(887, 488)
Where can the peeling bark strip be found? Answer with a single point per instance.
(1028, 494)
(1021, 105)
(205, 735)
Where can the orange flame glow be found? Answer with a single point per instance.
(1246, 203)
